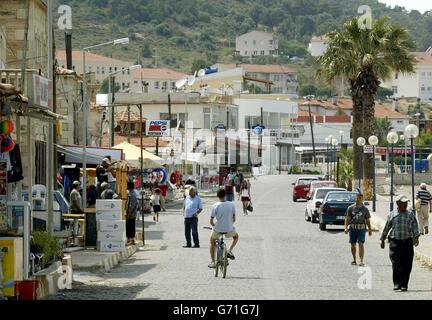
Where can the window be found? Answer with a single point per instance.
(395, 89)
(255, 53)
(429, 74)
(128, 72)
(123, 71)
(271, 42)
(262, 52)
(135, 82)
(423, 88)
(423, 74)
(276, 77)
(400, 121)
(245, 53)
(396, 76)
(103, 70)
(173, 86)
(165, 85)
(245, 42)
(98, 70)
(156, 86)
(429, 89)
(175, 117)
(110, 69)
(128, 84)
(115, 69)
(123, 86)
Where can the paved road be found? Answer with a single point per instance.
(279, 256)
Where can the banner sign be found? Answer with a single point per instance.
(42, 92)
(158, 128)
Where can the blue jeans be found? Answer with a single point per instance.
(229, 197)
(191, 224)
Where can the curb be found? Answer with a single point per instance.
(108, 262)
(379, 223)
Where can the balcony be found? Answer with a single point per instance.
(13, 76)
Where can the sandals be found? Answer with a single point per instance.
(353, 263)
(361, 264)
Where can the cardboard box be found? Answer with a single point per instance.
(108, 215)
(111, 246)
(111, 225)
(109, 205)
(111, 236)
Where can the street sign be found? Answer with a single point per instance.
(367, 149)
(158, 128)
(42, 92)
(258, 129)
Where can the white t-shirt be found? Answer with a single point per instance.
(111, 177)
(224, 213)
(245, 193)
(155, 199)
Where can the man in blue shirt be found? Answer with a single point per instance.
(192, 208)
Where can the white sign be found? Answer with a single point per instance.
(158, 128)
(65, 19)
(42, 92)
(367, 149)
(102, 100)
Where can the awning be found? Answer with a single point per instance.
(133, 155)
(74, 156)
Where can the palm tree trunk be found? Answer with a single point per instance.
(357, 131)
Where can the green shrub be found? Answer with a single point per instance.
(43, 242)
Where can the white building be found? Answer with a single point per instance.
(101, 66)
(318, 46)
(417, 84)
(158, 80)
(283, 80)
(257, 43)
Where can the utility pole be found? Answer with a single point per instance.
(129, 125)
(311, 126)
(112, 91)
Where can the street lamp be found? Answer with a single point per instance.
(402, 138)
(411, 132)
(85, 110)
(373, 141)
(341, 134)
(330, 139)
(327, 141)
(111, 95)
(361, 142)
(334, 144)
(392, 138)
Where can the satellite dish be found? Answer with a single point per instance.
(181, 83)
(201, 73)
(191, 81)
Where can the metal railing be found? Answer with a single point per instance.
(13, 77)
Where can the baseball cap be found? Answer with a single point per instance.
(402, 198)
(106, 160)
(76, 183)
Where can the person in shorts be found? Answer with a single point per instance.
(155, 200)
(357, 218)
(225, 214)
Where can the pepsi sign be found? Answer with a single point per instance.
(158, 128)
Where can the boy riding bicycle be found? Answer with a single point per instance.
(224, 212)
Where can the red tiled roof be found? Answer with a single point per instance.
(258, 68)
(123, 117)
(303, 113)
(319, 39)
(90, 57)
(159, 73)
(385, 112)
(345, 104)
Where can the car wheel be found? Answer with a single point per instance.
(307, 218)
(322, 226)
(313, 219)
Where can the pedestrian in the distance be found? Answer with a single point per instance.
(131, 213)
(155, 200)
(75, 198)
(107, 192)
(357, 218)
(229, 191)
(402, 231)
(425, 207)
(245, 196)
(192, 208)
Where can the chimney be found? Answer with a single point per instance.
(68, 38)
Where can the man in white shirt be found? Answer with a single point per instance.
(224, 212)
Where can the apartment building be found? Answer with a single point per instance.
(100, 65)
(417, 84)
(257, 43)
(318, 46)
(157, 80)
(2, 48)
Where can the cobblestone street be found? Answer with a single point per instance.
(279, 256)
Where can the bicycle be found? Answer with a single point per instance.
(221, 255)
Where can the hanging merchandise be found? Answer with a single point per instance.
(7, 144)
(16, 172)
(6, 127)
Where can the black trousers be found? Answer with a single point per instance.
(191, 224)
(130, 228)
(401, 256)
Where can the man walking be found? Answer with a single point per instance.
(357, 217)
(131, 213)
(75, 198)
(425, 207)
(192, 208)
(402, 231)
(224, 212)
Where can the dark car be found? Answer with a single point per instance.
(334, 207)
(301, 187)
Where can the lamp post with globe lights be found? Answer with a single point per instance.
(361, 142)
(392, 138)
(327, 141)
(373, 141)
(411, 132)
(330, 139)
(334, 143)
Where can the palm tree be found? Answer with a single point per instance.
(364, 57)
(382, 126)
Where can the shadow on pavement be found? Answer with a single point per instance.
(130, 270)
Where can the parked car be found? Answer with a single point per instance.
(334, 206)
(301, 187)
(321, 184)
(318, 195)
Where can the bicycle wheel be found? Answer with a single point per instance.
(217, 261)
(224, 262)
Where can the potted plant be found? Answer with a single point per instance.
(43, 243)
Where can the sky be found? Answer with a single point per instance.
(420, 5)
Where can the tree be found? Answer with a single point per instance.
(146, 51)
(199, 64)
(105, 86)
(364, 56)
(382, 126)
